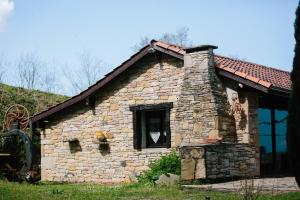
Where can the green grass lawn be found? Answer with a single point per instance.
(40, 191)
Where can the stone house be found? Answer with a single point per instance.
(167, 97)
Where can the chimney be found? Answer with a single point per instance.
(202, 115)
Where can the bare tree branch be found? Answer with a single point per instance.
(29, 70)
(34, 73)
(143, 42)
(180, 37)
(90, 70)
(2, 68)
(49, 81)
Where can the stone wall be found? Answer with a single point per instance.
(202, 113)
(246, 118)
(218, 161)
(221, 160)
(149, 82)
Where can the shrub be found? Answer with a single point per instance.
(166, 164)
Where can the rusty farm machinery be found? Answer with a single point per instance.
(16, 145)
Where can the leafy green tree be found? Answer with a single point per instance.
(293, 138)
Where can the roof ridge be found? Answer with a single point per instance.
(167, 43)
(273, 68)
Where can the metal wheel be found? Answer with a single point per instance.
(16, 114)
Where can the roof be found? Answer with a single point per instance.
(265, 76)
(261, 75)
(256, 73)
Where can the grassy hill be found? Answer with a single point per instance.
(34, 100)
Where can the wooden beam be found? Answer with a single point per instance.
(159, 106)
(273, 132)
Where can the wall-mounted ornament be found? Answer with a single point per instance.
(101, 139)
(100, 135)
(103, 135)
(236, 107)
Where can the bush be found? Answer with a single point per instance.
(166, 164)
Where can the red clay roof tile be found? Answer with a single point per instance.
(263, 75)
(241, 74)
(267, 76)
(229, 69)
(252, 78)
(264, 83)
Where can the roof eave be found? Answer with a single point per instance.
(92, 89)
(280, 91)
(242, 80)
(271, 90)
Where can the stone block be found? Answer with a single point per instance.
(188, 169)
(114, 107)
(47, 163)
(197, 128)
(185, 152)
(214, 134)
(169, 179)
(197, 153)
(200, 171)
(177, 139)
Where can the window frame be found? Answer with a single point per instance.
(137, 123)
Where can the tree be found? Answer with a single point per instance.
(34, 73)
(90, 70)
(180, 37)
(2, 68)
(29, 69)
(293, 135)
(49, 81)
(1, 74)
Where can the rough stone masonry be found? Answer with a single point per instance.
(200, 115)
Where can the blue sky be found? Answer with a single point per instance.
(59, 30)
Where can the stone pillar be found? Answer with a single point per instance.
(253, 127)
(247, 121)
(202, 113)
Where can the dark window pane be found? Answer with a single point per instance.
(280, 143)
(265, 142)
(281, 128)
(264, 129)
(154, 129)
(264, 120)
(281, 122)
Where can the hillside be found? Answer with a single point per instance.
(34, 100)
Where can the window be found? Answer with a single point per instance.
(280, 129)
(151, 125)
(265, 129)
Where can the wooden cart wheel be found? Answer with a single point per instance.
(16, 114)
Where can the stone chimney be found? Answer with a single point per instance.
(203, 110)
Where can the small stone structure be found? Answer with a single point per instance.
(218, 161)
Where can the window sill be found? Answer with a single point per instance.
(160, 149)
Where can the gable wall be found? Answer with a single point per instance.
(147, 83)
